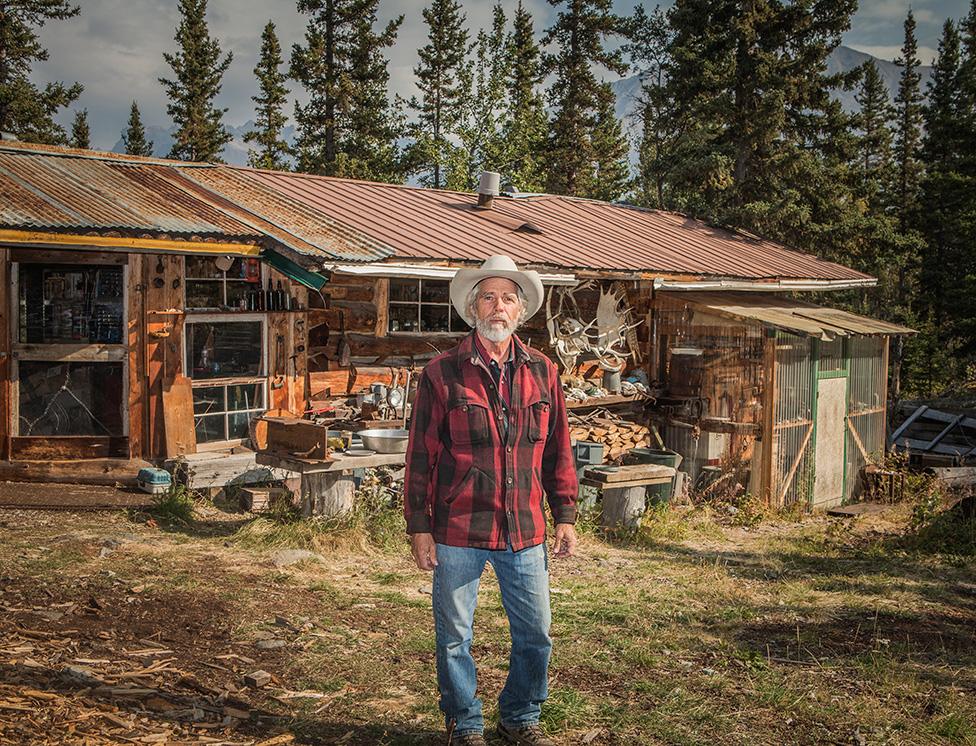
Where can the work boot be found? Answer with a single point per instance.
(524, 735)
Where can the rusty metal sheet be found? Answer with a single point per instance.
(787, 313)
(54, 191)
(542, 230)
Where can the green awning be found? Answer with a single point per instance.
(292, 270)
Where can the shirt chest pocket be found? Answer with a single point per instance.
(536, 414)
(468, 422)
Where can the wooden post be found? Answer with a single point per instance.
(623, 506)
(766, 485)
(7, 321)
(381, 299)
(327, 494)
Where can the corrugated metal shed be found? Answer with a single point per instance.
(786, 313)
(541, 230)
(61, 191)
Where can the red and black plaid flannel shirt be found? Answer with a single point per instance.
(467, 483)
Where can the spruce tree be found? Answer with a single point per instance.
(580, 35)
(348, 127)
(650, 38)
(197, 73)
(26, 110)
(442, 77)
(134, 135)
(946, 213)
(482, 84)
(269, 119)
(524, 125)
(611, 169)
(80, 131)
(908, 133)
(763, 145)
(368, 144)
(875, 158)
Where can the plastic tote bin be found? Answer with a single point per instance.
(153, 481)
(657, 494)
(586, 453)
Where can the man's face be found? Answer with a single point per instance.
(497, 308)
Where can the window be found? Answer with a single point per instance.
(226, 362)
(66, 303)
(68, 398)
(423, 306)
(214, 282)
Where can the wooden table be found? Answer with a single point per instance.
(624, 490)
(327, 487)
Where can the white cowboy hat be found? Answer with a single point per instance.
(498, 265)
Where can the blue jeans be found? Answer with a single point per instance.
(523, 578)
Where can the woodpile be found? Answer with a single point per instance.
(617, 436)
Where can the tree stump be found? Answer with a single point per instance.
(327, 493)
(623, 506)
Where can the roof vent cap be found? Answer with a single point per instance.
(488, 188)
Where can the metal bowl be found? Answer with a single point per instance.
(393, 440)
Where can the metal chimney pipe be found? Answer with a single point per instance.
(488, 188)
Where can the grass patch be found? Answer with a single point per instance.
(176, 505)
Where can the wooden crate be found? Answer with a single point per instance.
(261, 499)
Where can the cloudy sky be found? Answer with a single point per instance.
(115, 47)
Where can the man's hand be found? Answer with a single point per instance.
(564, 542)
(425, 550)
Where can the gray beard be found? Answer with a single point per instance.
(494, 333)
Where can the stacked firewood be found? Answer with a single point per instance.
(617, 436)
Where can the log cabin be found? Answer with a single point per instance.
(143, 320)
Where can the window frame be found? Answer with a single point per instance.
(224, 382)
(262, 278)
(60, 352)
(418, 305)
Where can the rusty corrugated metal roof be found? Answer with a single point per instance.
(542, 230)
(313, 231)
(62, 191)
(787, 313)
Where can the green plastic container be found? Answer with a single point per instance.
(657, 494)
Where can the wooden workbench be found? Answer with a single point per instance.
(624, 490)
(327, 487)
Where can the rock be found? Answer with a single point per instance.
(81, 675)
(270, 644)
(105, 552)
(257, 679)
(286, 557)
(427, 590)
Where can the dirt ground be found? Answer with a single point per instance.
(115, 628)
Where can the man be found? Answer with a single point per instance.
(489, 439)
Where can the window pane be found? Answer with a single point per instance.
(204, 294)
(223, 349)
(237, 425)
(433, 318)
(404, 290)
(202, 267)
(208, 400)
(403, 318)
(210, 428)
(245, 396)
(70, 303)
(238, 290)
(70, 398)
(435, 291)
(457, 323)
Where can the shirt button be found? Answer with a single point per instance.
(509, 480)
(509, 449)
